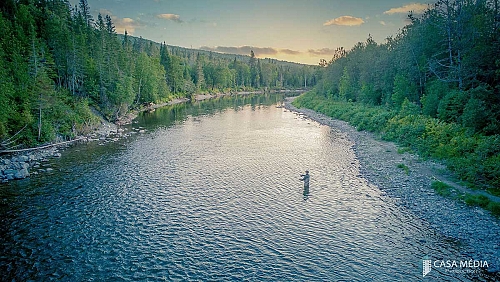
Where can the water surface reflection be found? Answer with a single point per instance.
(210, 192)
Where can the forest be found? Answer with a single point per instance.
(434, 87)
(59, 66)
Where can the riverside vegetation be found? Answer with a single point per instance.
(60, 69)
(434, 89)
(419, 133)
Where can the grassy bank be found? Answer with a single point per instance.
(474, 158)
(473, 200)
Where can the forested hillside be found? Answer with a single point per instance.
(58, 62)
(434, 87)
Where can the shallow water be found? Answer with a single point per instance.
(211, 192)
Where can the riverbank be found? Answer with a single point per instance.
(23, 164)
(474, 230)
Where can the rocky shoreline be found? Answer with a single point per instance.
(20, 165)
(475, 230)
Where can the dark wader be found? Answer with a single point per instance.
(305, 178)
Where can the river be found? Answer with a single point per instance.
(211, 192)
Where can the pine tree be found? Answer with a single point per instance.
(259, 78)
(84, 12)
(254, 75)
(200, 78)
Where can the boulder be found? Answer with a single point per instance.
(23, 159)
(9, 171)
(9, 176)
(21, 174)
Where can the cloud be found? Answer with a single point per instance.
(321, 52)
(416, 8)
(290, 52)
(245, 50)
(128, 24)
(170, 17)
(242, 50)
(122, 24)
(345, 21)
(382, 23)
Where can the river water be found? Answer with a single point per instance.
(211, 192)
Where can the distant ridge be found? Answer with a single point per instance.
(183, 51)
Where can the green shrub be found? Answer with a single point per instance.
(441, 188)
(494, 207)
(405, 130)
(409, 108)
(436, 137)
(404, 150)
(475, 115)
(379, 120)
(404, 167)
(479, 201)
(430, 101)
(492, 171)
(452, 106)
(483, 202)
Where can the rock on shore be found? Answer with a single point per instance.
(19, 166)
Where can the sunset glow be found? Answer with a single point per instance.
(295, 31)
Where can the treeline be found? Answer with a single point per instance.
(239, 72)
(58, 64)
(445, 61)
(435, 87)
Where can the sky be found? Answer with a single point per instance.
(302, 31)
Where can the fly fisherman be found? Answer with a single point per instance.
(305, 178)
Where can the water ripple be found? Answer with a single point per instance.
(218, 198)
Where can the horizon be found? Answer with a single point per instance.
(296, 32)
